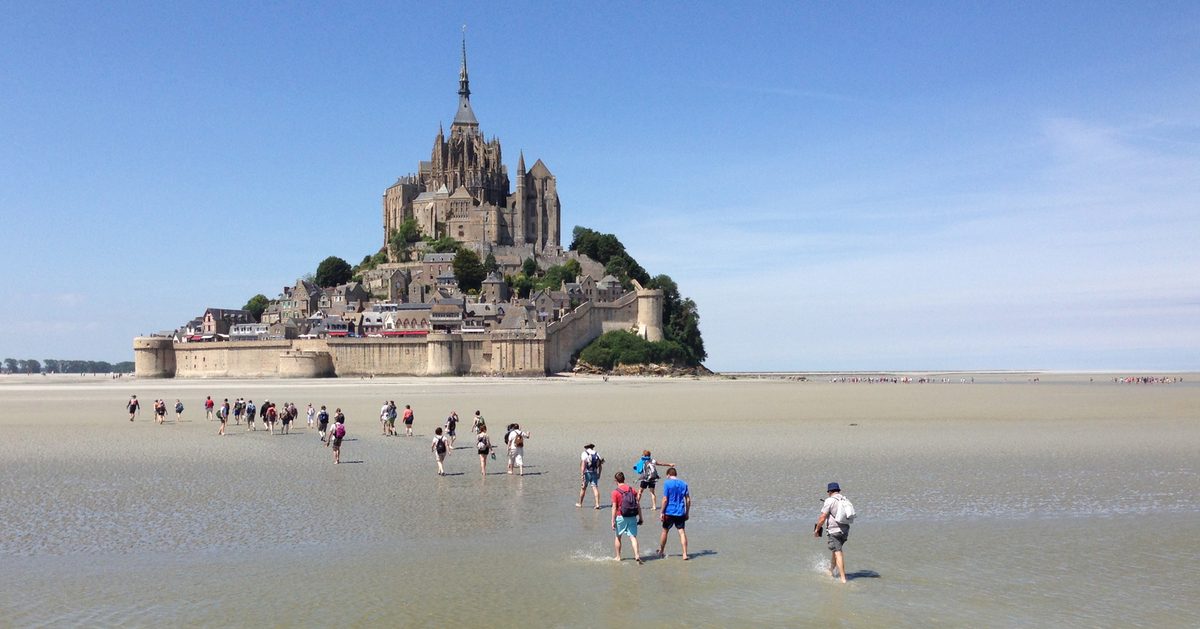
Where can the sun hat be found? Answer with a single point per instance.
(833, 487)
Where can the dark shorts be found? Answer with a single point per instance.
(337, 442)
(677, 521)
(408, 422)
(835, 541)
(647, 484)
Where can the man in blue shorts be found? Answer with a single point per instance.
(676, 506)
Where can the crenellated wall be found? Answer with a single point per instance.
(503, 352)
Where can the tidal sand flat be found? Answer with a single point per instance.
(998, 503)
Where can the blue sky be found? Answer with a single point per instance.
(837, 185)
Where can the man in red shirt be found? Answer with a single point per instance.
(626, 516)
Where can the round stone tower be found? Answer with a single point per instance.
(650, 309)
(440, 357)
(305, 364)
(153, 357)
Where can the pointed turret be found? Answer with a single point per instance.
(464, 116)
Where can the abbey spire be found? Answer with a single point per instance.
(464, 116)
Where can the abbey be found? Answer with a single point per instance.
(463, 191)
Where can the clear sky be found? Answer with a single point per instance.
(982, 185)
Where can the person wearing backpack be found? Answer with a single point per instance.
(590, 465)
(515, 439)
(837, 512)
(323, 424)
(178, 410)
(483, 445)
(647, 470)
(339, 433)
(251, 411)
(134, 406)
(440, 449)
(626, 516)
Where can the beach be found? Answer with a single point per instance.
(1072, 500)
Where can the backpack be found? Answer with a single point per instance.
(629, 503)
(519, 441)
(323, 416)
(179, 407)
(441, 445)
(649, 472)
(592, 463)
(250, 408)
(339, 431)
(483, 446)
(845, 511)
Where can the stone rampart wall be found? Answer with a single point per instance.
(581, 326)
(523, 353)
(380, 357)
(240, 359)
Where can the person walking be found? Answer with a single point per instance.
(133, 406)
(451, 425)
(626, 516)
(383, 417)
(160, 411)
(178, 410)
(647, 470)
(515, 440)
(251, 411)
(339, 433)
(836, 515)
(208, 408)
(222, 416)
(590, 465)
(475, 425)
(408, 420)
(323, 424)
(311, 414)
(483, 445)
(440, 449)
(676, 507)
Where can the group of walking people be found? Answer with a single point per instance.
(626, 511)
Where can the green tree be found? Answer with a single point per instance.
(573, 268)
(10, 365)
(520, 285)
(257, 305)
(445, 244)
(332, 271)
(401, 239)
(489, 264)
(468, 270)
(554, 278)
(681, 319)
(529, 267)
(52, 366)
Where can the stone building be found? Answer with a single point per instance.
(463, 191)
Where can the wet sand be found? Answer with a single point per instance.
(1001, 502)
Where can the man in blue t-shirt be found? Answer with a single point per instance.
(676, 505)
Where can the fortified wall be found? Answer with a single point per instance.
(534, 352)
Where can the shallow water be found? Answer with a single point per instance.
(993, 504)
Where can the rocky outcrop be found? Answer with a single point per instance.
(650, 369)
